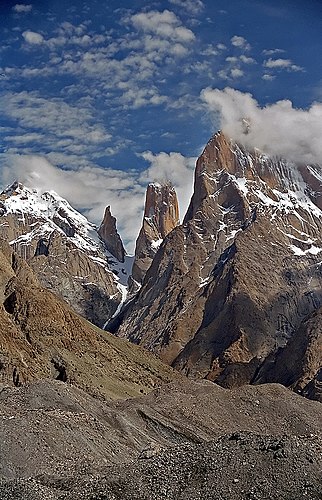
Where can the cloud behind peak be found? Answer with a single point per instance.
(277, 129)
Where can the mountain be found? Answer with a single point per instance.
(43, 338)
(161, 215)
(63, 249)
(232, 296)
(230, 290)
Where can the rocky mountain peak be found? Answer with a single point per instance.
(161, 207)
(231, 286)
(111, 238)
(161, 215)
(62, 248)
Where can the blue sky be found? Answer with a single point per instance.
(98, 99)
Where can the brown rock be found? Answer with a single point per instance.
(235, 282)
(110, 236)
(161, 215)
(42, 337)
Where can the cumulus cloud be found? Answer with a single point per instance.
(164, 24)
(236, 73)
(192, 6)
(33, 38)
(91, 188)
(136, 97)
(268, 77)
(276, 129)
(247, 60)
(281, 64)
(270, 52)
(21, 8)
(240, 42)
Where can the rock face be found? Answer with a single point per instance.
(110, 236)
(61, 246)
(232, 286)
(161, 215)
(42, 337)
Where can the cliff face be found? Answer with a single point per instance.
(61, 246)
(232, 285)
(161, 215)
(109, 235)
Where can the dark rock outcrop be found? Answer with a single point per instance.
(109, 235)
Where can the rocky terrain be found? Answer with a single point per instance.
(62, 248)
(231, 297)
(110, 236)
(236, 289)
(183, 440)
(41, 337)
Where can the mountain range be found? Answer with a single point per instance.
(233, 294)
(231, 297)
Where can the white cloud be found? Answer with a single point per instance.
(33, 38)
(55, 117)
(232, 59)
(164, 24)
(136, 97)
(240, 42)
(230, 73)
(247, 60)
(270, 52)
(173, 167)
(236, 73)
(268, 77)
(281, 64)
(210, 50)
(276, 129)
(20, 7)
(192, 6)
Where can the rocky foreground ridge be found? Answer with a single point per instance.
(186, 440)
(42, 337)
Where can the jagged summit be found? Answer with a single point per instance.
(161, 215)
(109, 235)
(161, 207)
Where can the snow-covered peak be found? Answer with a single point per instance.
(41, 214)
(19, 199)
